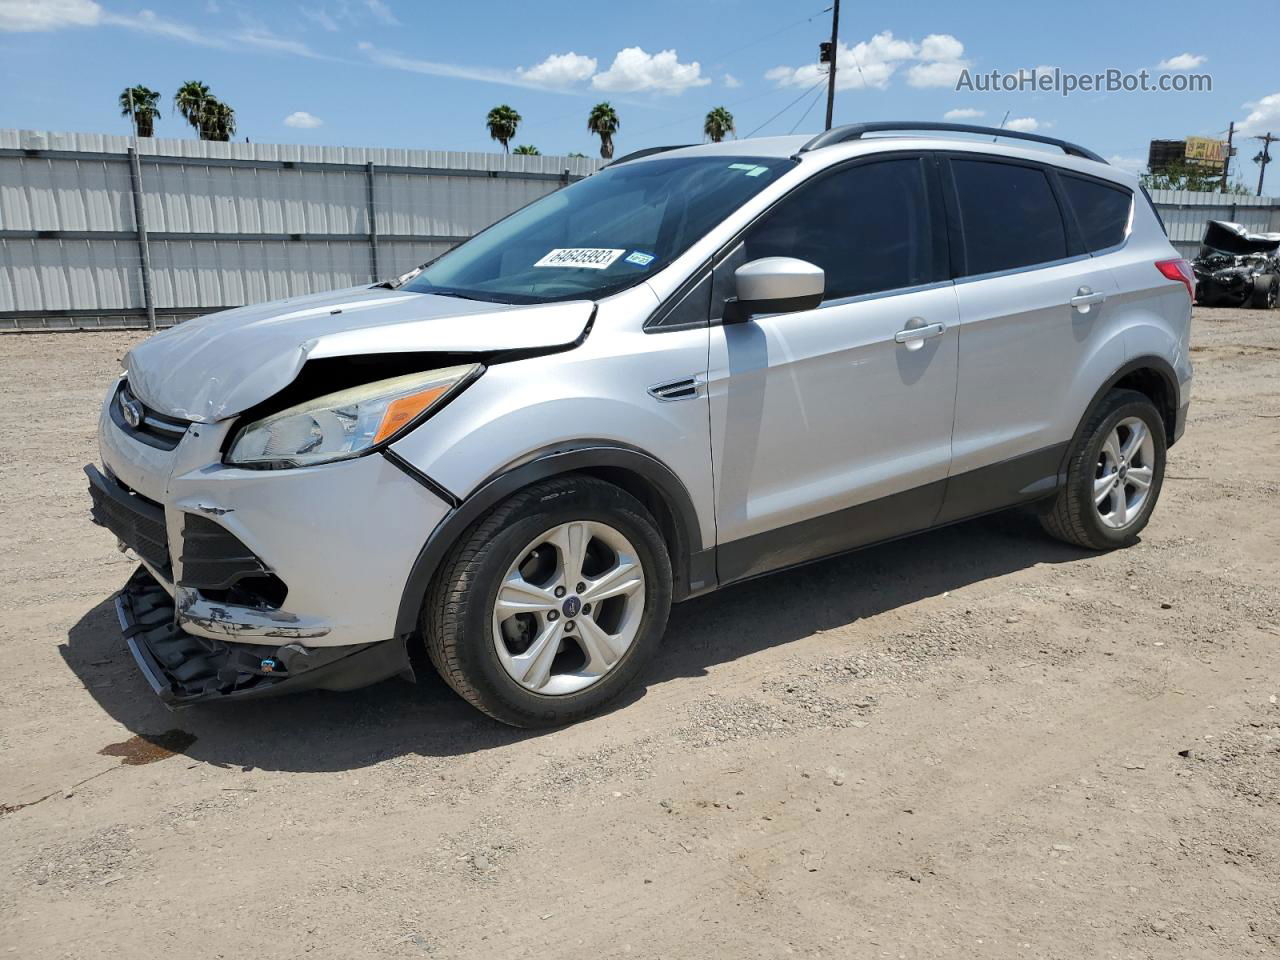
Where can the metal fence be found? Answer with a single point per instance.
(93, 235)
(1185, 213)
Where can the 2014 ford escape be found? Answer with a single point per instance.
(698, 366)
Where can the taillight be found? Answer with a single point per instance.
(1178, 269)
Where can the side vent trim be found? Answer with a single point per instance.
(686, 388)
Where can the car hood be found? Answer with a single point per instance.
(218, 365)
(1235, 239)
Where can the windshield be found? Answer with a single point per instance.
(602, 234)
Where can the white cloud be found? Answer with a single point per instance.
(731, 81)
(264, 39)
(303, 120)
(1264, 116)
(433, 68)
(634, 69)
(559, 70)
(1023, 124)
(146, 21)
(382, 12)
(941, 73)
(963, 113)
(1183, 61)
(31, 15)
(935, 62)
(1128, 164)
(320, 17)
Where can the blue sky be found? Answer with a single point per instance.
(423, 74)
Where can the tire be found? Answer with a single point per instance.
(479, 648)
(1265, 298)
(1086, 511)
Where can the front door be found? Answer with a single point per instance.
(831, 427)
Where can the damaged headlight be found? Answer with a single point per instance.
(347, 423)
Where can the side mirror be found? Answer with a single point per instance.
(775, 285)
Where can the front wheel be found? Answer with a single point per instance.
(1114, 475)
(550, 605)
(1266, 291)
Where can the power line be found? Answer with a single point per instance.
(820, 83)
(807, 110)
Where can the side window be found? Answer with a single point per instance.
(1009, 215)
(869, 227)
(1102, 211)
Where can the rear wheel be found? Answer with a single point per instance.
(549, 606)
(1114, 475)
(1266, 295)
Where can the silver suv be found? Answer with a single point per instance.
(701, 365)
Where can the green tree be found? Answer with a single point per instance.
(502, 122)
(603, 122)
(190, 101)
(718, 125)
(140, 103)
(527, 150)
(217, 121)
(1186, 176)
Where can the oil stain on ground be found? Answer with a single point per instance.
(149, 747)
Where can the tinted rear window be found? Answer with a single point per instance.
(1102, 211)
(1010, 216)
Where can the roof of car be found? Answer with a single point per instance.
(793, 146)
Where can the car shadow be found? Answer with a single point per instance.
(321, 731)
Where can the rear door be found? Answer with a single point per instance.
(831, 427)
(1033, 307)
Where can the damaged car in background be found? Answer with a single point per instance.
(1237, 268)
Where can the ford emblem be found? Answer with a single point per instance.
(131, 410)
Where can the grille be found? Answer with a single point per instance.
(220, 566)
(154, 428)
(135, 520)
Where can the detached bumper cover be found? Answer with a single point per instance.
(183, 669)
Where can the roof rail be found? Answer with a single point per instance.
(646, 152)
(855, 131)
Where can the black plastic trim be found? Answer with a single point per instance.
(1021, 479)
(1170, 377)
(583, 455)
(137, 522)
(413, 472)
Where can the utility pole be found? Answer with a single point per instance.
(140, 219)
(831, 68)
(1264, 157)
(1226, 161)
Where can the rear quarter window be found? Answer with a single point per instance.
(1102, 211)
(1009, 214)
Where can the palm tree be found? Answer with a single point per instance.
(502, 122)
(527, 150)
(718, 125)
(217, 121)
(603, 121)
(139, 103)
(190, 100)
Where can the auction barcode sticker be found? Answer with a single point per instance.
(591, 258)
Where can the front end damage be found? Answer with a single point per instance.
(183, 668)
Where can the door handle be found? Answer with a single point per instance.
(914, 337)
(1086, 297)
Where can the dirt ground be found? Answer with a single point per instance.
(974, 743)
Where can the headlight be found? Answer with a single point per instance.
(347, 423)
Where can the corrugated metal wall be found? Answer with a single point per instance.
(232, 223)
(1185, 214)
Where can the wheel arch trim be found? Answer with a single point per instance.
(691, 563)
(1146, 362)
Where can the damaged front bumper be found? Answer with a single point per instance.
(183, 668)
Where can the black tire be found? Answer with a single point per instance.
(457, 618)
(1266, 291)
(1072, 515)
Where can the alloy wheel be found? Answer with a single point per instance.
(569, 608)
(1124, 473)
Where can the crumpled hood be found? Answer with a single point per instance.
(218, 365)
(1235, 239)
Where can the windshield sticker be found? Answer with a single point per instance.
(640, 259)
(750, 169)
(588, 258)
